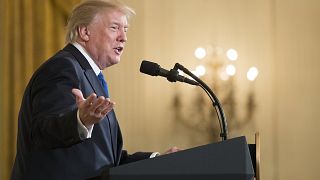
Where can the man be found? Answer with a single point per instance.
(67, 126)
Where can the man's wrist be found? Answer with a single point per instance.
(84, 132)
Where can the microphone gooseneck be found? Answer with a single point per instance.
(214, 99)
(155, 69)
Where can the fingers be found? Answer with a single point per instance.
(93, 109)
(109, 106)
(90, 100)
(78, 94)
(102, 106)
(173, 150)
(96, 109)
(97, 103)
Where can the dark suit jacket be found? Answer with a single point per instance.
(48, 145)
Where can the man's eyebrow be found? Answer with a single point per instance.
(119, 24)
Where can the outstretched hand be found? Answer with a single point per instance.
(172, 150)
(93, 109)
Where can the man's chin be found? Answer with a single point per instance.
(116, 61)
(113, 62)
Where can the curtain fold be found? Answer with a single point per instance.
(31, 31)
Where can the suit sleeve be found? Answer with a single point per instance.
(128, 158)
(54, 118)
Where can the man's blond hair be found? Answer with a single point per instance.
(83, 14)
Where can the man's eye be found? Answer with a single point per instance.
(114, 28)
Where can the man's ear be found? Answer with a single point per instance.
(84, 33)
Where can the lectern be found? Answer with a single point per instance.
(225, 160)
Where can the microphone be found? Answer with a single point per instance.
(155, 69)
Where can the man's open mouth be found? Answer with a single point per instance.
(118, 50)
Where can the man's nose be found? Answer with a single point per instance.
(122, 36)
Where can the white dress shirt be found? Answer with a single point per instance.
(85, 132)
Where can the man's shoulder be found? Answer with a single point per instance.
(61, 60)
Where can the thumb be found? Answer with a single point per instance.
(78, 94)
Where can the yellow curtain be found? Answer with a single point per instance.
(31, 31)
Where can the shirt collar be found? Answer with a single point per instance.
(87, 56)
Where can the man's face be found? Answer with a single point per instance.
(107, 37)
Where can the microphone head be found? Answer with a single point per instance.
(149, 68)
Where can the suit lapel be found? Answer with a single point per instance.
(88, 71)
(94, 82)
(98, 89)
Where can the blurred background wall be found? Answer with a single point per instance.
(279, 37)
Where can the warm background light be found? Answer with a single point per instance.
(200, 53)
(252, 73)
(223, 75)
(200, 70)
(232, 55)
(231, 70)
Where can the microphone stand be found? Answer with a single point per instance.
(215, 101)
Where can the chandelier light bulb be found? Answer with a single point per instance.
(200, 53)
(231, 70)
(200, 70)
(232, 55)
(224, 76)
(252, 73)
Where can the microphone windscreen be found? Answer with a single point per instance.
(150, 68)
